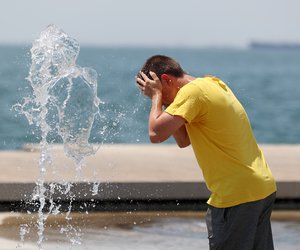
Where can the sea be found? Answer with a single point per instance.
(266, 81)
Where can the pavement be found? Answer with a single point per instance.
(136, 230)
(134, 172)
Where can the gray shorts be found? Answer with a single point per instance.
(242, 227)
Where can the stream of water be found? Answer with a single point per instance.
(64, 102)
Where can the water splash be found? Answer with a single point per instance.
(64, 102)
(65, 93)
(24, 229)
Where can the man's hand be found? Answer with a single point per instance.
(148, 86)
(161, 125)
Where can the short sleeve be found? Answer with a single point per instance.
(188, 103)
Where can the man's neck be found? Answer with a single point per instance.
(185, 80)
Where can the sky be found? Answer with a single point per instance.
(166, 23)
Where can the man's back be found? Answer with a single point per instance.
(232, 163)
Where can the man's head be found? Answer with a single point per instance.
(168, 71)
(160, 64)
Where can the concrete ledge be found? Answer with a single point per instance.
(130, 196)
(131, 173)
(112, 191)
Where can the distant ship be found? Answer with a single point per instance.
(266, 45)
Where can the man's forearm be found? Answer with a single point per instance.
(155, 112)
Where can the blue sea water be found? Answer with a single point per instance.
(267, 82)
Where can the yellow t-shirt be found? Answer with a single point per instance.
(233, 165)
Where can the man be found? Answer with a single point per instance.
(205, 113)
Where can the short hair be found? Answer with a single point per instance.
(160, 64)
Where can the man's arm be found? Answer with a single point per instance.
(181, 137)
(163, 125)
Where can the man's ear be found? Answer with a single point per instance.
(166, 78)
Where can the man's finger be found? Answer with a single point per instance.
(153, 75)
(140, 81)
(145, 77)
(141, 87)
